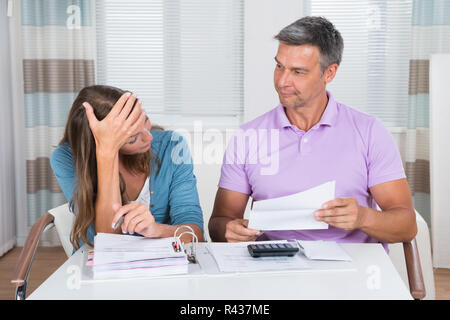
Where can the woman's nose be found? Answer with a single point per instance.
(147, 137)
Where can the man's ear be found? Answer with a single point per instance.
(330, 73)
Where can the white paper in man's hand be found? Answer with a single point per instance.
(293, 212)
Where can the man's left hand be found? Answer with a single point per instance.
(344, 213)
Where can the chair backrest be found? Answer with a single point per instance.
(63, 224)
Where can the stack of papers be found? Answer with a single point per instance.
(293, 212)
(124, 256)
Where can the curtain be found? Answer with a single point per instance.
(58, 41)
(430, 34)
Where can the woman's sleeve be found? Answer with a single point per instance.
(62, 165)
(183, 196)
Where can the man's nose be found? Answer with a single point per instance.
(284, 79)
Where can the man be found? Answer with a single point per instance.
(317, 140)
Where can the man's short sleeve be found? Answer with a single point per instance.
(233, 174)
(384, 160)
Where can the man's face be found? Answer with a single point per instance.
(297, 75)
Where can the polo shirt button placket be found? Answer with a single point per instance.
(301, 135)
(305, 145)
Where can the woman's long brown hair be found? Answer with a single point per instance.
(81, 140)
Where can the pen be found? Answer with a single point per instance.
(118, 223)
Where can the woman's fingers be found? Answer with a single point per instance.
(122, 210)
(130, 227)
(134, 214)
(133, 217)
(118, 106)
(137, 126)
(125, 112)
(133, 117)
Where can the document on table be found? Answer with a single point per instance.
(234, 257)
(293, 212)
(323, 250)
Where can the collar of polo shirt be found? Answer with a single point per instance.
(328, 117)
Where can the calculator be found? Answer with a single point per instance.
(272, 249)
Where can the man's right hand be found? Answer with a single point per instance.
(237, 230)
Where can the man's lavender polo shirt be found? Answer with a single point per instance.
(269, 158)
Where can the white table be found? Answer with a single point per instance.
(373, 276)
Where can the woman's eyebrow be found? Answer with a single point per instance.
(135, 136)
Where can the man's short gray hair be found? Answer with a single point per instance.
(316, 31)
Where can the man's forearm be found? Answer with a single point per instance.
(393, 225)
(217, 227)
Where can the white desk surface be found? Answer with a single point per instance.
(372, 276)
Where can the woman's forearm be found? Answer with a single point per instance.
(108, 190)
(166, 230)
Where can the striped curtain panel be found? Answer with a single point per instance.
(58, 40)
(430, 34)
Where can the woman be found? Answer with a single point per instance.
(110, 163)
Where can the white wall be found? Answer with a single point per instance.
(16, 66)
(263, 20)
(440, 158)
(7, 199)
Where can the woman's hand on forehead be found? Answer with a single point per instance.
(121, 123)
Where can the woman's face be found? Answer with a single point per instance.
(140, 142)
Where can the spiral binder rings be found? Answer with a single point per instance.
(190, 248)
